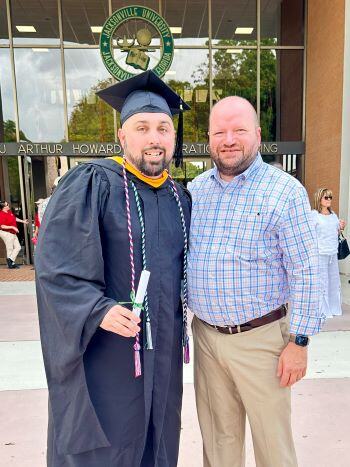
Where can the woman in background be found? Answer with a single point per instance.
(328, 227)
(8, 233)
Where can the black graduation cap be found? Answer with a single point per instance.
(147, 93)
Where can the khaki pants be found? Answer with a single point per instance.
(235, 376)
(12, 244)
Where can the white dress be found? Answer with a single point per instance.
(327, 228)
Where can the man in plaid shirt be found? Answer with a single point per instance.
(252, 251)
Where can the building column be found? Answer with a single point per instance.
(344, 195)
(324, 96)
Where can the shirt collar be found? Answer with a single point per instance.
(254, 166)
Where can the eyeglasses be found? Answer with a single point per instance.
(328, 197)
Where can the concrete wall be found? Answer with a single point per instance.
(324, 95)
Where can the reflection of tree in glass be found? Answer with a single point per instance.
(196, 119)
(235, 74)
(12, 162)
(91, 118)
(186, 173)
(10, 132)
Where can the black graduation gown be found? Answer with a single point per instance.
(99, 413)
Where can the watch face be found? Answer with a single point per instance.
(302, 340)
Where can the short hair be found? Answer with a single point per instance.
(3, 204)
(320, 193)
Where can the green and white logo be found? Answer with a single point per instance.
(121, 50)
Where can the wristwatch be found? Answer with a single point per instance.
(300, 339)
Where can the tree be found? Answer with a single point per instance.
(10, 132)
(12, 162)
(235, 74)
(91, 118)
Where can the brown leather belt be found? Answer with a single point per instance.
(274, 315)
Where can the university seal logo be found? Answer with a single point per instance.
(126, 38)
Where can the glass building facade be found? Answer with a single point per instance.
(50, 68)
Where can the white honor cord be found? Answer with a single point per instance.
(141, 292)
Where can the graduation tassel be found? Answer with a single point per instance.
(149, 343)
(186, 346)
(178, 155)
(137, 358)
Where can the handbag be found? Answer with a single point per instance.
(343, 247)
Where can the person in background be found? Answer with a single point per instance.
(36, 220)
(8, 233)
(44, 202)
(328, 227)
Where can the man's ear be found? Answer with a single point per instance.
(258, 133)
(121, 136)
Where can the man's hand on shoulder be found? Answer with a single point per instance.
(121, 321)
(292, 364)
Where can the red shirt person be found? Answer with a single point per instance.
(8, 233)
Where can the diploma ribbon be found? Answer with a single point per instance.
(133, 302)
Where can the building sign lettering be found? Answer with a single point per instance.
(108, 149)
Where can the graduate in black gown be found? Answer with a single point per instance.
(106, 222)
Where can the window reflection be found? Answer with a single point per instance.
(80, 18)
(40, 95)
(154, 4)
(189, 24)
(282, 21)
(7, 110)
(35, 22)
(4, 35)
(281, 85)
(89, 118)
(234, 21)
(234, 73)
(189, 77)
(189, 170)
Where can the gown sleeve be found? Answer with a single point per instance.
(71, 301)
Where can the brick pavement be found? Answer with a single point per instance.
(25, 273)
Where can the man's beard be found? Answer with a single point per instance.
(150, 168)
(234, 166)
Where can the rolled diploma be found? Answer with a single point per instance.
(141, 291)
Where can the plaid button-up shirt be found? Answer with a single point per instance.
(252, 248)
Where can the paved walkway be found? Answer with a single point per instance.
(24, 273)
(321, 402)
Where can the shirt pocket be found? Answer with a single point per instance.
(253, 236)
